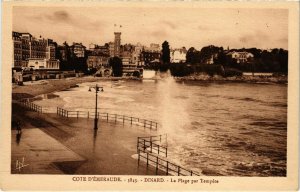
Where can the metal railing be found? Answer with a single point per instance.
(109, 117)
(164, 165)
(31, 106)
(148, 144)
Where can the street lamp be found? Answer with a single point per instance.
(97, 88)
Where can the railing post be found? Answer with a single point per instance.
(139, 157)
(156, 126)
(156, 165)
(166, 152)
(144, 145)
(147, 159)
(151, 145)
(191, 173)
(178, 170)
(158, 148)
(167, 171)
(106, 117)
(138, 144)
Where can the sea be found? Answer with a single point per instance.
(214, 128)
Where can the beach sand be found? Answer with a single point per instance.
(31, 89)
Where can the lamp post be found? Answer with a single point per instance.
(97, 88)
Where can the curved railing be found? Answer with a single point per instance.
(163, 164)
(151, 151)
(30, 105)
(108, 117)
(153, 144)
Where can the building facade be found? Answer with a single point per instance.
(241, 57)
(31, 51)
(38, 48)
(43, 64)
(111, 49)
(26, 39)
(153, 48)
(97, 60)
(178, 55)
(136, 56)
(78, 49)
(148, 56)
(100, 49)
(17, 53)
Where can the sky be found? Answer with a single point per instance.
(189, 27)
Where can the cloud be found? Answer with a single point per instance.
(63, 18)
(61, 15)
(246, 38)
(159, 33)
(182, 27)
(256, 37)
(53, 18)
(169, 24)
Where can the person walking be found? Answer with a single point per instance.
(19, 130)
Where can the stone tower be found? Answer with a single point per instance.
(117, 44)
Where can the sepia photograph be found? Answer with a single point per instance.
(162, 92)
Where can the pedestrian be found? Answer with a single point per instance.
(19, 130)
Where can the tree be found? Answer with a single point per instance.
(64, 55)
(193, 56)
(165, 57)
(117, 66)
(220, 59)
(209, 51)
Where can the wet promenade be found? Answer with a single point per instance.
(58, 145)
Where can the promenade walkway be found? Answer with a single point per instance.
(37, 151)
(58, 145)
